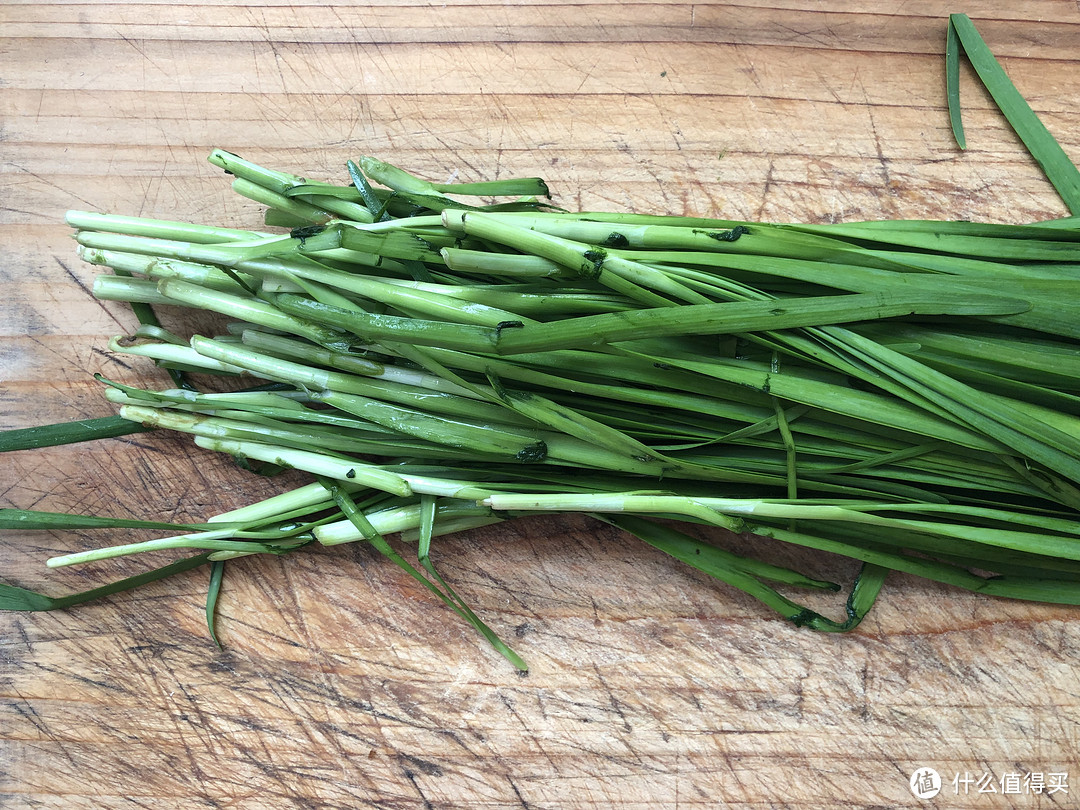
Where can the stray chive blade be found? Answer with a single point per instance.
(80, 430)
(14, 598)
(367, 193)
(724, 566)
(371, 534)
(706, 557)
(952, 84)
(1046, 150)
(217, 573)
(423, 554)
(35, 520)
(864, 593)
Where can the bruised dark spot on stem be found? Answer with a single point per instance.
(533, 453)
(594, 262)
(616, 240)
(303, 233)
(507, 325)
(729, 236)
(805, 617)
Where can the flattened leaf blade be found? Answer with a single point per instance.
(1044, 148)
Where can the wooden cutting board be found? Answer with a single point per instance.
(344, 685)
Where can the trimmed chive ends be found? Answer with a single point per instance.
(440, 357)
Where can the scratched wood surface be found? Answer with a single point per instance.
(343, 685)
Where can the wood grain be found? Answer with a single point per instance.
(342, 684)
